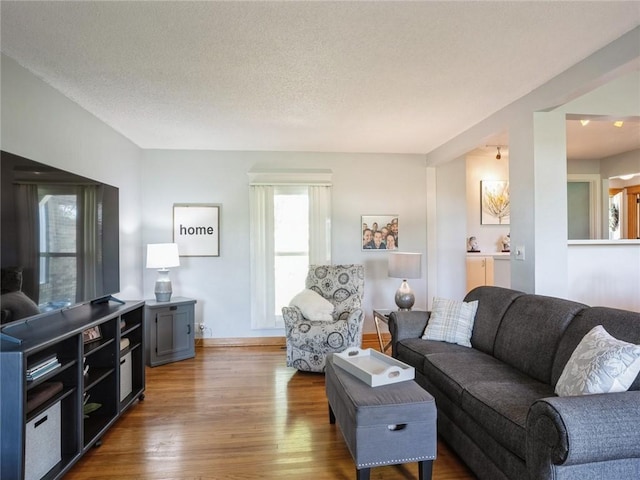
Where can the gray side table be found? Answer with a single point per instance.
(170, 329)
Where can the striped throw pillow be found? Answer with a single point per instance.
(451, 321)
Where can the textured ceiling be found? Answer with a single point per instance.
(399, 77)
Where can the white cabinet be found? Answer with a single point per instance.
(479, 271)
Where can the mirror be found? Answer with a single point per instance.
(603, 173)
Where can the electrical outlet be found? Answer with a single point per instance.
(520, 252)
(201, 330)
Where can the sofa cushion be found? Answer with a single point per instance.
(452, 373)
(493, 302)
(530, 333)
(622, 324)
(500, 408)
(414, 350)
(599, 364)
(313, 305)
(451, 321)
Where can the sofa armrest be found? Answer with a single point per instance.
(406, 324)
(291, 316)
(575, 430)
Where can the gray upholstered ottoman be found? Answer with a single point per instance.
(384, 425)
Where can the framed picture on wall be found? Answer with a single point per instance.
(196, 229)
(380, 232)
(494, 202)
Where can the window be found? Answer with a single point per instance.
(290, 229)
(58, 217)
(291, 243)
(69, 231)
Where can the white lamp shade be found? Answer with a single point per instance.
(162, 255)
(405, 265)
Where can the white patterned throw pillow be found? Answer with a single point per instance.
(313, 305)
(451, 321)
(599, 364)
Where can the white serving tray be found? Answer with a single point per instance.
(372, 367)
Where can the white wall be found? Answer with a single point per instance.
(363, 184)
(479, 168)
(622, 164)
(550, 224)
(451, 228)
(605, 273)
(41, 124)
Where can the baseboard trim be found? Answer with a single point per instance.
(241, 342)
(369, 340)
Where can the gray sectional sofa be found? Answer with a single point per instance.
(496, 403)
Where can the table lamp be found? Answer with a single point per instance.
(163, 256)
(405, 265)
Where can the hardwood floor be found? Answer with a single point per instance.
(235, 413)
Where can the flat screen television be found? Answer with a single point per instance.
(59, 237)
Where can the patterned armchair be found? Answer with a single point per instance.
(308, 340)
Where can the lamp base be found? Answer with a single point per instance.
(163, 288)
(405, 297)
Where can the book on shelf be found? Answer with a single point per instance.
(42, 363)
(43, 371)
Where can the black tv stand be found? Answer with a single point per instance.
(106, 371)
(107, 299)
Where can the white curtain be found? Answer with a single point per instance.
(319, 224)
(262, 256)
(262, 245)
